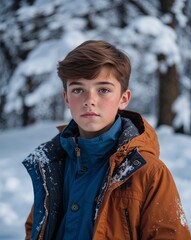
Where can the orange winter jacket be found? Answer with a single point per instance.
(138, 201)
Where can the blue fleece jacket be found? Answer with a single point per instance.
(82, 180)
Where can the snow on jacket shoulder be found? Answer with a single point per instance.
(138, 199)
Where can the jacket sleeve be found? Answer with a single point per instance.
(28, 225)
(162, 213)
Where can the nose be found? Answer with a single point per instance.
(89, 99)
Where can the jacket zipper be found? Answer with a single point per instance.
(78, 153)
(128, 224)
(77, 149)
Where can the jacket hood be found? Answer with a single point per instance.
(147, 141)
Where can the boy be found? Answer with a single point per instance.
(101, 177)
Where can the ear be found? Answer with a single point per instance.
(125, 99)
(64, 93)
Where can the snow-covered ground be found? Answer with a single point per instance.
(16, 194)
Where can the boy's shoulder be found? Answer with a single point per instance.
(46, 152)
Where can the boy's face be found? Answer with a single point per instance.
(95, 103)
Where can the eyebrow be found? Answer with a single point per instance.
(98, 83)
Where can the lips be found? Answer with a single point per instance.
(90, 114)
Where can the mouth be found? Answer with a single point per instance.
(90, 115)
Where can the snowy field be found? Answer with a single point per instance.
(16, 190)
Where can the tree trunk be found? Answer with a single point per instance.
(168, 92)
(168, 81)
(27, 118)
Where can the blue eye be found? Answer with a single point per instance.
(77, 90)
(104, 90)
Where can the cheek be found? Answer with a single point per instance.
(110, 104)
(73, 103)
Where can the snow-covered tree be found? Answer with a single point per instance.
(36, 34)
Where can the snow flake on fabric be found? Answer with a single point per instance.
(40, 224)
(41, 154)
(37, 153)
(122, 171)
(125, 168)
(181, 214)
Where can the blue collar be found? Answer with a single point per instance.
(93, 150)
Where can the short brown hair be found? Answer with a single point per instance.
(87, 60)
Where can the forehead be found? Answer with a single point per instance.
(106, 76)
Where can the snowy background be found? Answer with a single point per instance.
(16, 196)
(36, 34)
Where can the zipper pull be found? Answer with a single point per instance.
(77, 151)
